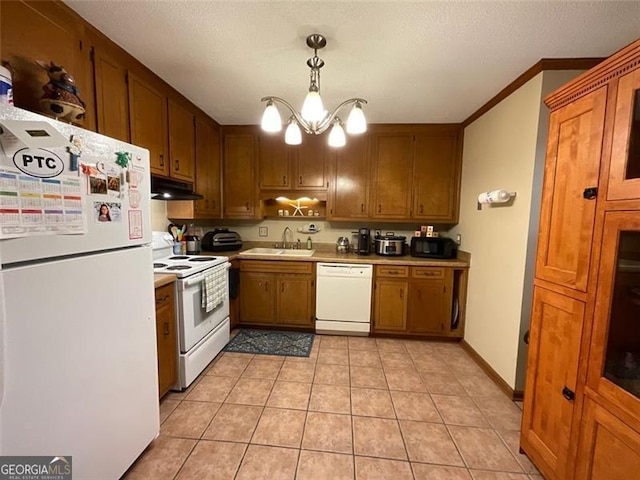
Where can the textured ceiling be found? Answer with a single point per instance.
(415, 62)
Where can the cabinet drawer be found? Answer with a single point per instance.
(427, 272)
(164, 295)
(392, 271)
(276, 266)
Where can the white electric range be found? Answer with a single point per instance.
(202, 334)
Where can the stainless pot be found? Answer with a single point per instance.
(390, 245)
(342, 245)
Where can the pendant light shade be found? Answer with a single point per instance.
(336, 135)
(271, 121)
(293, 135)
(356, 123)
(313, 118)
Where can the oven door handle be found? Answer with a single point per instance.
(197, 279)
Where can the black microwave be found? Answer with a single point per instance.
(433, 247)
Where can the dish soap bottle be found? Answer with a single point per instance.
(309, 244)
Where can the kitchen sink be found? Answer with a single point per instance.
(280, 252)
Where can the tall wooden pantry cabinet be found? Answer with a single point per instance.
(581, 415)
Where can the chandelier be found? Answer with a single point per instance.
(313, 118)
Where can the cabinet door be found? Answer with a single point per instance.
(350, 178)
(436, 178)
(148, 117)
(624, 174)
(429, 307)
(181, 141)
(310, 163)
(239, 179)
(208, 168)
(112, 107)
(274, 163)
(566, 217)
(614, 358)
(47, 31)
(552, 371)
(257, 298)
(390, 305)
(609, 449)
(295, 294)
(392, 158)
(166, 338)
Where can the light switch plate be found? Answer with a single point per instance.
(263, 231)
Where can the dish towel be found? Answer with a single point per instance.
(214, 287)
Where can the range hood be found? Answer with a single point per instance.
(166, 189)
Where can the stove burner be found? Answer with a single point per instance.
(159, 265)
(202, 259)
(179, 267)
(179, 257)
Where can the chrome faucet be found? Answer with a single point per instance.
(284, 237)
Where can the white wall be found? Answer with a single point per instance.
(500, 151)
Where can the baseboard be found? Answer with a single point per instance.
(493, 375)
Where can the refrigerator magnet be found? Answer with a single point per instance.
(107, 212)
(135, 224)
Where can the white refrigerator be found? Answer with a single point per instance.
(78, 360)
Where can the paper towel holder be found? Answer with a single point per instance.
(495, 197)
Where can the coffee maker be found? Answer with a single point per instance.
(364, 241)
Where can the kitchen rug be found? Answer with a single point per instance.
(266, 342)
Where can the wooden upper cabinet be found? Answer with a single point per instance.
(274, 162)
(552, 376)
(148, 117)
(624, 174)
(568, 206)
(310, 163)
(436, 178)
(208, 169)
(112, 98)
(239, 184)
(392, 158)
(46, 31)
(181, 141)
(350, 173)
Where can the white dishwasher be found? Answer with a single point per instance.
(343, 298)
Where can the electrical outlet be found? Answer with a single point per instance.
(377, 233)
(459, 239)
(263, 231)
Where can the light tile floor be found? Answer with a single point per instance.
(357, 408)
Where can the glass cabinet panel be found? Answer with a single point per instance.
(622, 349)
(633, 160)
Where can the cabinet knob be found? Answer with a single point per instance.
(247, 206)
(177, 165)
(590, 193)
(362, 207)
(401, 293)
(421, 209)
(161, 160)
(166, 329)
(282, 288)
(379, 208)
(568, 394)
(284, 180)
(300, 180)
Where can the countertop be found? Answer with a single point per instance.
(162, 279)
(327, 253)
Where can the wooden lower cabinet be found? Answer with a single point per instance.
(390, 305)
(609, 448)
(277, 293)
(413, 300)
(166, 338)
(552, 375)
